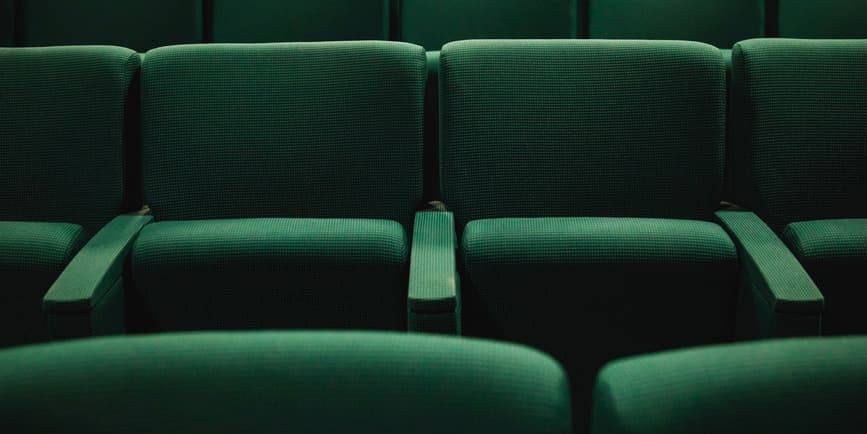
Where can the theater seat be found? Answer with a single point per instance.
(824, 19)
(288, 21)
(273, 382)
(800, 159)
(65, 157)
(793, 386)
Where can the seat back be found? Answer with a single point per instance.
(289, 21)
(65, 138)
(794, 386)
(140, 25)
(278, 382)
(581, 128)
(328, 129)
(822, 19)
(799, 150)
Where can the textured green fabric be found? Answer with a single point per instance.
(7, 23)
(32, 254)
(717, 22)
(834, 252)
(272, 382)
(288, 21)
(432, 23)
(588, 290)
(822, 19)
(792, 386)
(62, 127)
(270, 273)
(140, 25)
(330, 129)
(578, 127)
(800, 147)
(433, 279)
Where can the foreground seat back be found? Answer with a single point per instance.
(272, 382)
(825, 19)
(788, 387)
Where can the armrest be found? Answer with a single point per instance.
(433, 303)
(784, 299)
(87, 297)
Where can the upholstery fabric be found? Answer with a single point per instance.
(62, 133)
(433, 23)
(7, 23)
(588, 290)
(800, 148)
(834, 252)
(824, 19)
(270, 273)
(330, 129)
(32, 255)
(578, 127)
(288, 21)
(140, 25)
(272, 382)
(717, 22)
(791, 386)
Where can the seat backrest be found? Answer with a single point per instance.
(581, 128)
(307, 129)
(140, 25)
(799, 146)
(793, 386)
(293, 21)
(432, 23)
(717, 22)
(822, 19)
(7, 23)
(66, 141)
(270, 382)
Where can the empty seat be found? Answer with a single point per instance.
(287, 21)
(584, 176)
(822, 19)
(270, 382)
(140, 25)
(7, 23)
(799, 159)
(793, 386)
(63, 129)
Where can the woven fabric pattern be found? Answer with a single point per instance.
(834, 252)
(793, 386)
(32, 255)
(800, 150)
(137, 25)
(581, 128)
(720, 23)
(271, 273)
(269, 382)
(433, 23)
(62, 128)
(825, 19)
(295, 21)
(330, 129)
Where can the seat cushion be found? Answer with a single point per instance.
(270, 273)
(32, 255)
(588, 290)
(834, 252)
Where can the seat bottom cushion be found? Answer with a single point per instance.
(834, 253)
(32, 255)
(269, 273)
(589, 290)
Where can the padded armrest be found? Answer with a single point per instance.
(75, 303)
(785, 299)
(433, 303)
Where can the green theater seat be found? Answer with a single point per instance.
(63, 164)
(584, 177)
(276, 382)
(792, 386)
(822, 19)
(284, 181)
(800, 159)
(138, 24)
